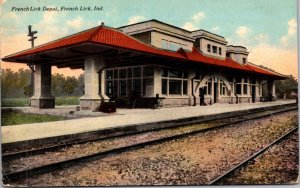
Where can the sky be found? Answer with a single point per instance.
(268, 28)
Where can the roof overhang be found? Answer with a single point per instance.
(117, 49)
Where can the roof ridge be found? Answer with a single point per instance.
(265, 69)
(51, 42)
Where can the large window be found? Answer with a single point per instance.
(173, 82)
(121, 82)
(207, 88)
(171, 45)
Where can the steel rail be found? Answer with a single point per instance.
(251, 158)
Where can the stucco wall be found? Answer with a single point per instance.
(144, 37)
(203, 47)
(156, 40)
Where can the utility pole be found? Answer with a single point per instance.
(31, 65)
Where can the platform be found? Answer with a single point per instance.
(122, 118)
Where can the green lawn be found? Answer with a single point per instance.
(14, 102)
(20, 102)
(15, 118)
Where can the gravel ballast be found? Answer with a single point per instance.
(194, 160)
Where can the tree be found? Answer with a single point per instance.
(286, 85)
(57, 84)
(70, 85)
(13, 83)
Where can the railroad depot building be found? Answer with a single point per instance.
(148, 61)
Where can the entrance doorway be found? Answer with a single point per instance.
(202, 96)
(253, 94)
(216, 90)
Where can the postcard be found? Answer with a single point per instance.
(135, 93)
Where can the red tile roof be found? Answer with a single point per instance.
(115, 38)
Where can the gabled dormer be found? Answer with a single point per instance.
(210, 44)
(237, 53)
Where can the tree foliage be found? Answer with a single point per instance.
(17, 84)
(286, 85)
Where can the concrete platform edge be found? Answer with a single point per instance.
(119, 131)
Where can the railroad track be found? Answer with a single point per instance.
(244, 163)
(9, 175)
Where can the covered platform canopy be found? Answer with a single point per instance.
(116, 47)
(103, 47)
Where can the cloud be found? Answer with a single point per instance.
(292, 26)
(2, 2)
(289, 40)
(242, 31)
(135, 19)
(261, 38)
(198, 16)
(215, 29)
(189, 26)
(277, 58)
(76, 23)
(195, 21)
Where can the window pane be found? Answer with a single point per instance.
(164, 73)
(148, 71)
(122, 73)
(238, 79)
(164, 44)
(122, 87)
(109, 74)
(137, 72)
(129, 71)
(137, 86)
(175, 74)
(147, 86)
(109, 88)
(220, 51)
(245, 88)
(174, 86)
(174, 46)
(208, 47)
(164, 86)
(115, 88)
(129, 86)
(214, 48)
(184, 87)
(209, 88)
(238, 89)
(116, 75)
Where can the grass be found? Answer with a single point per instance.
(59, 101)
(14, 102)
(21, 102)
(16, 118)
